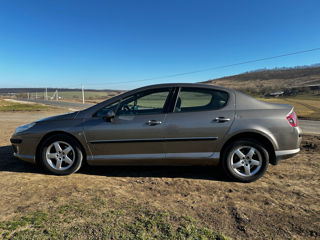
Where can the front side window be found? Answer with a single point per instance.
(147, 102)
(200, 99)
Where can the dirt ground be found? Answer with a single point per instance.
(284, 204)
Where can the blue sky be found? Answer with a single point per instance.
(105, 43)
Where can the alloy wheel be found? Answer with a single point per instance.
(60, 155)
(246, 161)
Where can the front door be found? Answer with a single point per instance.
(135, 136)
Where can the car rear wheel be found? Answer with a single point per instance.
(245, 160)
(61, 155)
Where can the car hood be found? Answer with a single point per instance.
(66, 116)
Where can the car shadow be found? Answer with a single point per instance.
(8, 163)
(190, 172)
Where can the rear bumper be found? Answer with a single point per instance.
(284, 154)
(290, 141)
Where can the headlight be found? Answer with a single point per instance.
(24, 127)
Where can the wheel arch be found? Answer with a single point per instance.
(50, 134)
(258, 136)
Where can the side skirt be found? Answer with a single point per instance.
(157, 159)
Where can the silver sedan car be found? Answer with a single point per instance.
(166, 124)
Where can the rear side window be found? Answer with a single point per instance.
(200, 99)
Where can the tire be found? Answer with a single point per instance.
(245, 160)
(61, 155)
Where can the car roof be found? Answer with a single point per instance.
(196, 85)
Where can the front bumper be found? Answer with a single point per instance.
(26, 158)
(22, 150)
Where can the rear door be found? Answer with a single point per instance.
(199, 119)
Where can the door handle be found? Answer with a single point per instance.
(154, 122)
(221, 119)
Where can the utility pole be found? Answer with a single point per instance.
(82, 88)
(57, 96)
(28, 96)
(46, 94)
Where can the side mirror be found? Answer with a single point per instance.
(110, 116)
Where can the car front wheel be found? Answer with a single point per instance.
(245, 160)
(61, 155)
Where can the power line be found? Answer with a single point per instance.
(217, 67)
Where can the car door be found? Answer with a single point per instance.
(135, 135)
(199, 120)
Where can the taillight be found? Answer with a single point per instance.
(292, 119)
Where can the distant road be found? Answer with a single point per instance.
(307, 126)
(72, 105)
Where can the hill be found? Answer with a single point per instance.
(268, 80)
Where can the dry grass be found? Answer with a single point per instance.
(270, 80)
(97, 218)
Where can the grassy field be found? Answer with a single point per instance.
(306, 106)
(98, 218)
(77, 95)
(13, 106)
(88, 95)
